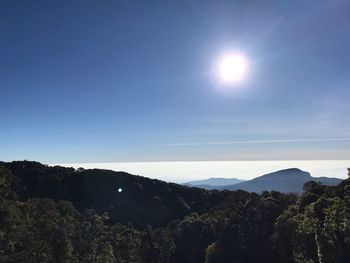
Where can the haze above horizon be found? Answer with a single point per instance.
(180, 172)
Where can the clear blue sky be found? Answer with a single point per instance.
(102, 81)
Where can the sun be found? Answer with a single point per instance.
(232, 68)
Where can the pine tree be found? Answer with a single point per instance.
(106, 255)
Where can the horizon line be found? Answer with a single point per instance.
(189, 161)
(257, 142)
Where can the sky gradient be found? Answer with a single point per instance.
(133, 81)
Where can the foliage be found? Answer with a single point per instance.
(62, 215)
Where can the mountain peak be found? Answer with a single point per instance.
(289, 180)
(290, 172)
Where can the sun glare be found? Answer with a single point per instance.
(232, 68)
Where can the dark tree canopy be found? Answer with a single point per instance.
(57, 214)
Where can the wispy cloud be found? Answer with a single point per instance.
(258, 142)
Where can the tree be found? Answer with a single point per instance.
(8, 184)
(106, 255)
(212, 253)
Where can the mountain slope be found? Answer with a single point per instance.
(141, 200)
(214, 182)
(288, 181)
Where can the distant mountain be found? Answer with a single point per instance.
(288, 181)
(214, 182)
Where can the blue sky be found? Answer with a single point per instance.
(104, 81)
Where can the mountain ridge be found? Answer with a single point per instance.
(289, 180)
(213, 182)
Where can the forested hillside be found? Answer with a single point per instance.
(142, 201)
(56, 214)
